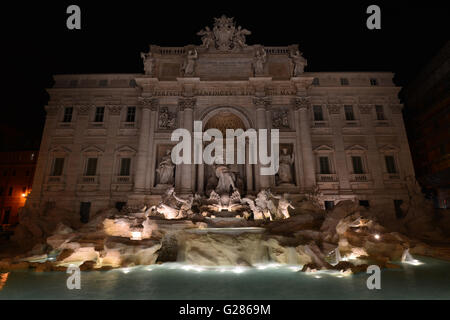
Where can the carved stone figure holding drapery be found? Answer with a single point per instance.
(299, 63)
(149, 63)
(166, 169)
(285, 169)
(189, 64)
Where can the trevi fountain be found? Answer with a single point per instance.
(217, 231)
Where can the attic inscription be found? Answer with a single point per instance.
(223, 68)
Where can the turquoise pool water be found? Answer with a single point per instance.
(431, 280)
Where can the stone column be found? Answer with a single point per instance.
(187, 107)
(248, 170)
(261, 104)
(298, 163)
(150, 177)
(74, 165)
(302, 106)
(334, 111)
(107, 170)
(144, 137)
(373, 155)
(200, 178)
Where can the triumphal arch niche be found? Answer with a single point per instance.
(226, 84)
(223, 118)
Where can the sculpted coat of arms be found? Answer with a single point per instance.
(224, 35)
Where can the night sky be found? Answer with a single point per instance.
(332, 35)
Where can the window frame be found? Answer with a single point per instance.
(120, 173)
(128, 114)
(52, 173)
(97, 114)
(382, 113)
(394, 164)
(67, 117)
(87, 168)
(354, 157)
(328, 166)
(352, 112)
(319, 107)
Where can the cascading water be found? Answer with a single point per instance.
(236, 247)
(291, 255)
(337, 257)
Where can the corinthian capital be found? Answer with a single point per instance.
(186, 103)
(149, 103)
(114, 109)
(365, 108)
(83, 109)
(262, 102)
(301, 103)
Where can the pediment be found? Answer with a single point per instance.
(59, 149)
(356, 147)
(323, 148)
(388, 148)
(126, 149)
(92, 149)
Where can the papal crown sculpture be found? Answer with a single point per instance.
(224, 35)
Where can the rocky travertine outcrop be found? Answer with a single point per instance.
(347, 238)
(36, 226)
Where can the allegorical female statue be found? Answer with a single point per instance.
(258, 63)
(189, 64)
(299, 63)
(285, 169)
(166, 169)
(149, 63)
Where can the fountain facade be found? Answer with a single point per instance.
(123, 159)
(125, 133)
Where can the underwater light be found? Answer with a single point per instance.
(187, 268)
(126, 270)
(262, 267)
(238, 270)
(198, 269)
